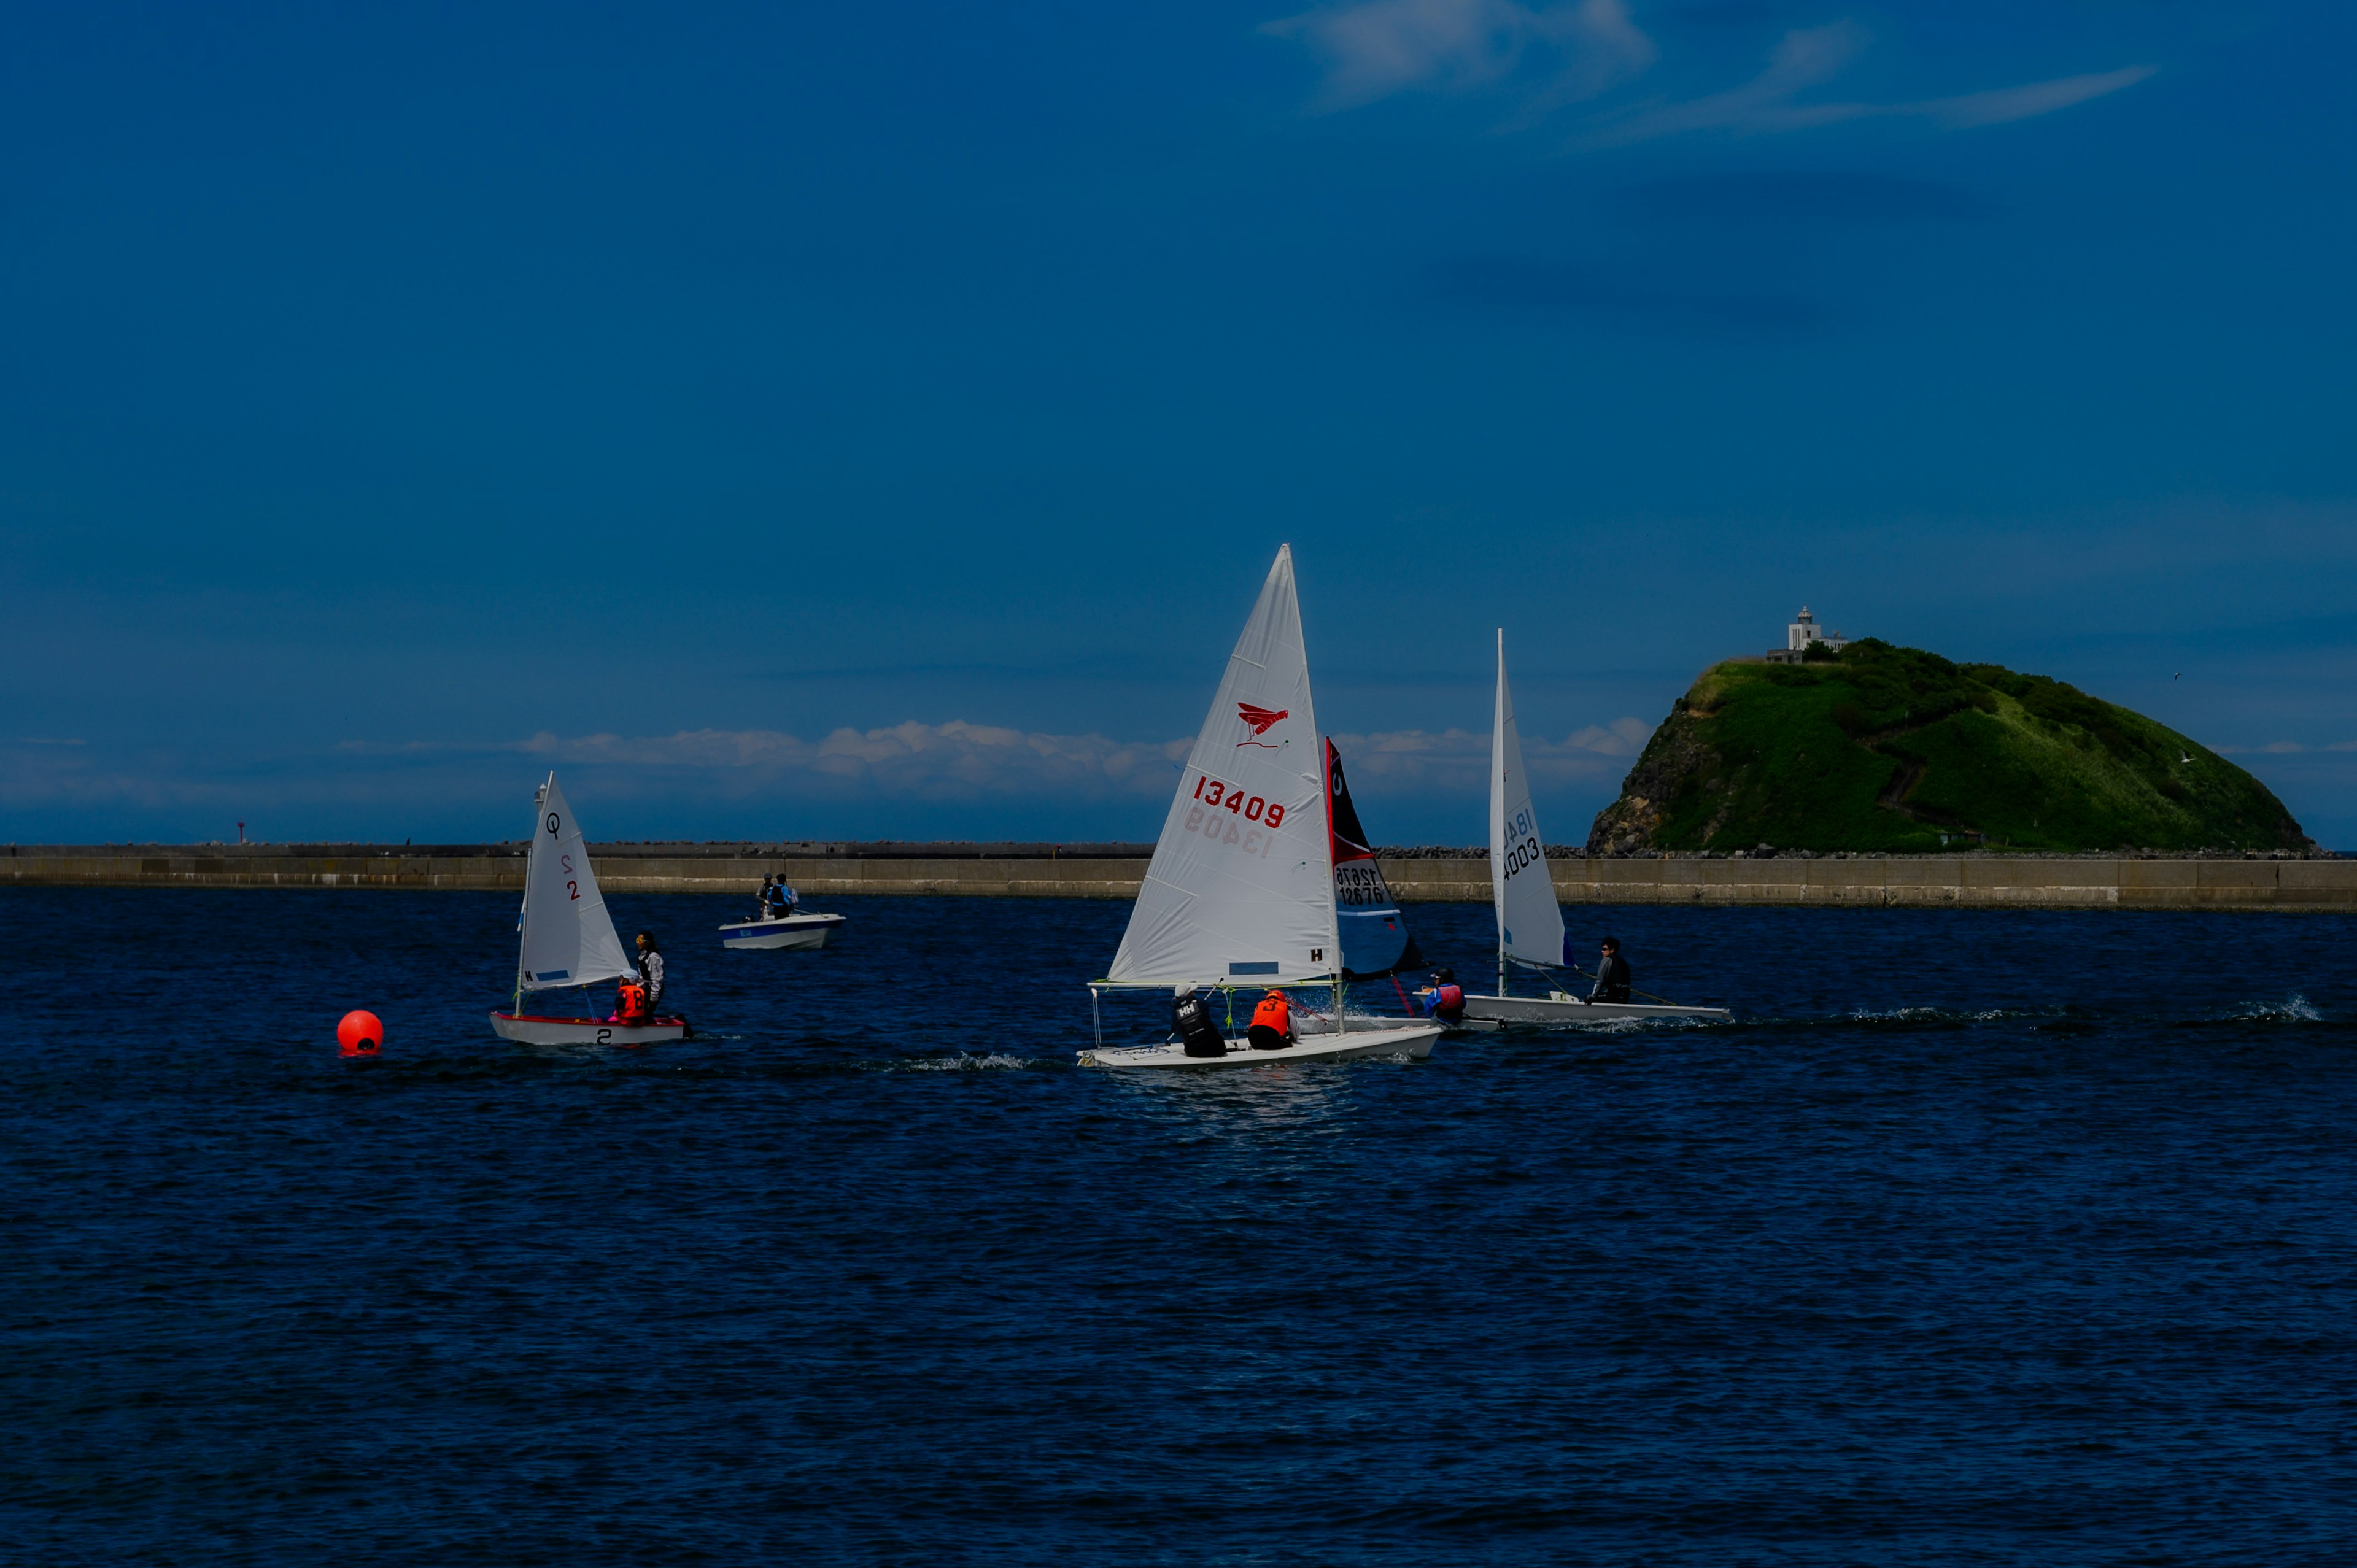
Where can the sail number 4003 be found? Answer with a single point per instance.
(1525, 852)
(1233, 801)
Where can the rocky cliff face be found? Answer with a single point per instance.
(1895, 749)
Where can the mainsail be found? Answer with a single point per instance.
(1375, 940)
(1239, 888)
(568, 937)
(1530, 922)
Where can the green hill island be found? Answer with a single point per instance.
(1869, 747)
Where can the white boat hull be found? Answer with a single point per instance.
(1556, 1010)
(1411, 1040)
(793, 932)
(532, 1031)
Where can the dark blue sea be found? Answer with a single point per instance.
(1978, 1239)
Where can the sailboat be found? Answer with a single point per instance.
(1243, 891)
(1530, 921)
(564, 938)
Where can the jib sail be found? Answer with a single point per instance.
(1375, 937)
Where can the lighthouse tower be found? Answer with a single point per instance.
(1802, 635)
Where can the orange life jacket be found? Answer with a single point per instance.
(1272, 1012)
(631, 1002)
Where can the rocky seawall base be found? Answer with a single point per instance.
(1968, 881)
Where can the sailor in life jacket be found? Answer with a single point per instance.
(629, 1002)
(1444, 999)
(1193, 1020)
(1272, 1024)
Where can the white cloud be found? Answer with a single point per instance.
(950, 761)
(959, 760)
(1375, 49)
(1402, 761)
(1811, 56)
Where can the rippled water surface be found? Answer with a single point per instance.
(1979, 1238)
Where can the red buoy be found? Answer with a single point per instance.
(359, 1034)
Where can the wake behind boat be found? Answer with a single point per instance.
(566, 937)
(1241, 888)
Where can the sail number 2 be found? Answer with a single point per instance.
(571, 886)
(1221, 812)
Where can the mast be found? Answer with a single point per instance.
(1498, 766)
(523, 915)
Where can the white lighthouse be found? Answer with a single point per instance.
(1802, 635)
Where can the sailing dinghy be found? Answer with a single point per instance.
(1241, 893)
(1530, 921)
(566, 939)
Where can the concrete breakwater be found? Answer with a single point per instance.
(1113, 870)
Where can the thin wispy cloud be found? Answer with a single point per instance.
(1375, 49)
(1773, 101)
(1550, 56)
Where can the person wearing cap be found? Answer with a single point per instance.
(1611, 974)
(1192, 1021)
(1272, 1024)
(1443, 999)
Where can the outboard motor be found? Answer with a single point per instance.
(1197, 1031)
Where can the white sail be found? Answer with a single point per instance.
(1240, 890)
(1530, 922)
(568, 937)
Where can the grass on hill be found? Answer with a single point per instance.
(1896, 750)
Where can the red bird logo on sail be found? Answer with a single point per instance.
(1259, 719)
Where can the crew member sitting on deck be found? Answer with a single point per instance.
(1193, 1020)
(1444, 999)
(1272, 1024)
(629, 1002)
(1611, 974)
(650, 971)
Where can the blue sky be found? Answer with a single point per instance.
(876, 422)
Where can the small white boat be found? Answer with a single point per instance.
(790, 931)
(1530, 921)
(1243, 889)
(1560, 1007)
(532, 1031)
(1414, 1040)
(564, 938)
